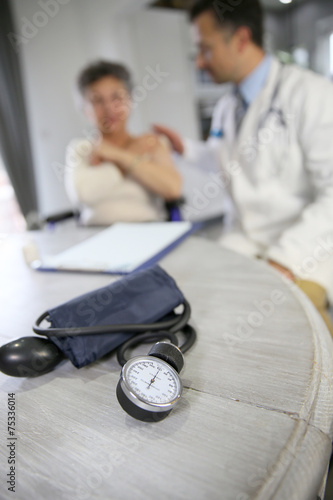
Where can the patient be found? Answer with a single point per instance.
(117, 177)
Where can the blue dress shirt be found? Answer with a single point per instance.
(254, 82)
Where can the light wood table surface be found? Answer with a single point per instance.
(255, 419)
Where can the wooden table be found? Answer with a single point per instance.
(255, 419)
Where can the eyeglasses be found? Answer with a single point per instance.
(118, 99)
(204, 52)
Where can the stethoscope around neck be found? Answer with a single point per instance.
(273, 108)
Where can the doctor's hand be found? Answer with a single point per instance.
(174, 138)
(283, 270)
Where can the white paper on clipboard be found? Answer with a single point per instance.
(121, 249)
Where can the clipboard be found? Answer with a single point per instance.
(121, 249)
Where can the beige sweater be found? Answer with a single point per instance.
(101, 193)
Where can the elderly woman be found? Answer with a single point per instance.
(117, 177)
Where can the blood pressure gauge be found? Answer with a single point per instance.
(149, 386)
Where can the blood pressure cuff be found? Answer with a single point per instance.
(142, 297)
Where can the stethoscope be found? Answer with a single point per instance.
(272, 110)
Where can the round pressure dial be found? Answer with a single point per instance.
(149, 387)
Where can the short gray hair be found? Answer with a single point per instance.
(99, 69)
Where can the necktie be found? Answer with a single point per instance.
(240, 109)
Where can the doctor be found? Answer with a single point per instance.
(273, 137)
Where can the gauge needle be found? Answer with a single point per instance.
(153, 379)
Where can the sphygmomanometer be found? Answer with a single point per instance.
(140, 308)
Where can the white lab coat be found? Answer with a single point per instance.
(280, 175)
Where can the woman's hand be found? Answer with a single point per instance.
(150, 163)
(105, 151)
(94, 159)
